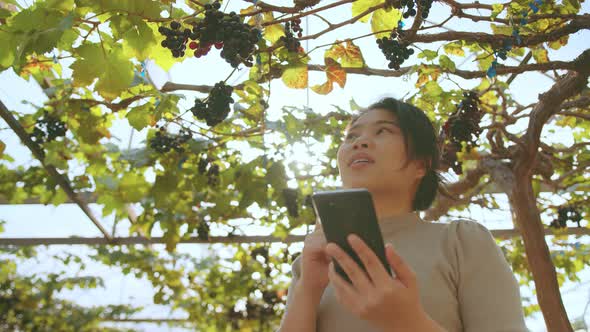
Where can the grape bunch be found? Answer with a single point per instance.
(203, 231)
(290, 197)
(207, 167)
(163, 142)
(411, 11)
(292, 44)
(48, 128)
(203, 163)
(176, 38)
(218, 29)
(213, 175)
(461, 126)
(215, 108)
(426, 5)
(260, 251)
(226, 30)
(395, 51)
(565, 213)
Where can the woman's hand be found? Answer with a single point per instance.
(315, 262)
(388, 303)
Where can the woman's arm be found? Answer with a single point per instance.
(488, 292)
(301, 311)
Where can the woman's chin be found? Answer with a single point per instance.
(358, 183)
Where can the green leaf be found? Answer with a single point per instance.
(148, 9)
(276, 176)
(446, 63)
(497, 8)
(133, 187)
(428, 54)
(432, 89)
(138, 37)
(141, 116)
(38, 30)
(385, 20)
(360, 6)
(7, 55)
(167, 107)
(112, 68)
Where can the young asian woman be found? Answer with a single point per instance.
(447, 276)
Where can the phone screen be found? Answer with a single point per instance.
(350, 211)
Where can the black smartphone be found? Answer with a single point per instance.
(345, 211)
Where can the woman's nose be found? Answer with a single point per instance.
(361, 141)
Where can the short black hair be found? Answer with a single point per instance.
(421, 142)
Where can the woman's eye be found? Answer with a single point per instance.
(349, 136)
(381, 129)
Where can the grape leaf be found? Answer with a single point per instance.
(360, 6)
(335, 73)
(454, 48)
(295, 76)
(273, 32)
(385, 20)
(446, 63)
(113, 70)
(540, 54)
(141, 116)
(350, 55)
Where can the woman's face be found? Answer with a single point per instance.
(377, 137)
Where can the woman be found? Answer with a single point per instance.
(447, 276)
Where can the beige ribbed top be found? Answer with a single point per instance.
(465, 283)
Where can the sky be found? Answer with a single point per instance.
(68, 220)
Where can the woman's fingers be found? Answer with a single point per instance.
(345, 292)
(355, 273)
(372, 264)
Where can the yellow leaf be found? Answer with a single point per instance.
(350, 55)
(422, 79)
(454, 49)
(334, 73)
(295, 77)
(540, 55)
(434, 74)
(273, 33)
(385, 20)
(360, 6)
(2, 147)
(323, 89)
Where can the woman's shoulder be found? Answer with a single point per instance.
(464, 227)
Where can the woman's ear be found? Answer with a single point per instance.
(421, 167)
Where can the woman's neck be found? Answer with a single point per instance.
(388, 206)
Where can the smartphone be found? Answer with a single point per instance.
(346, 211)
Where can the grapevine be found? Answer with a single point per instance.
(292, 44)
(395, 49)
(565, 213)
(215, 108)
(218, 29)
(290, 197)
(461, 127)
(47, 129)
(163, 142)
